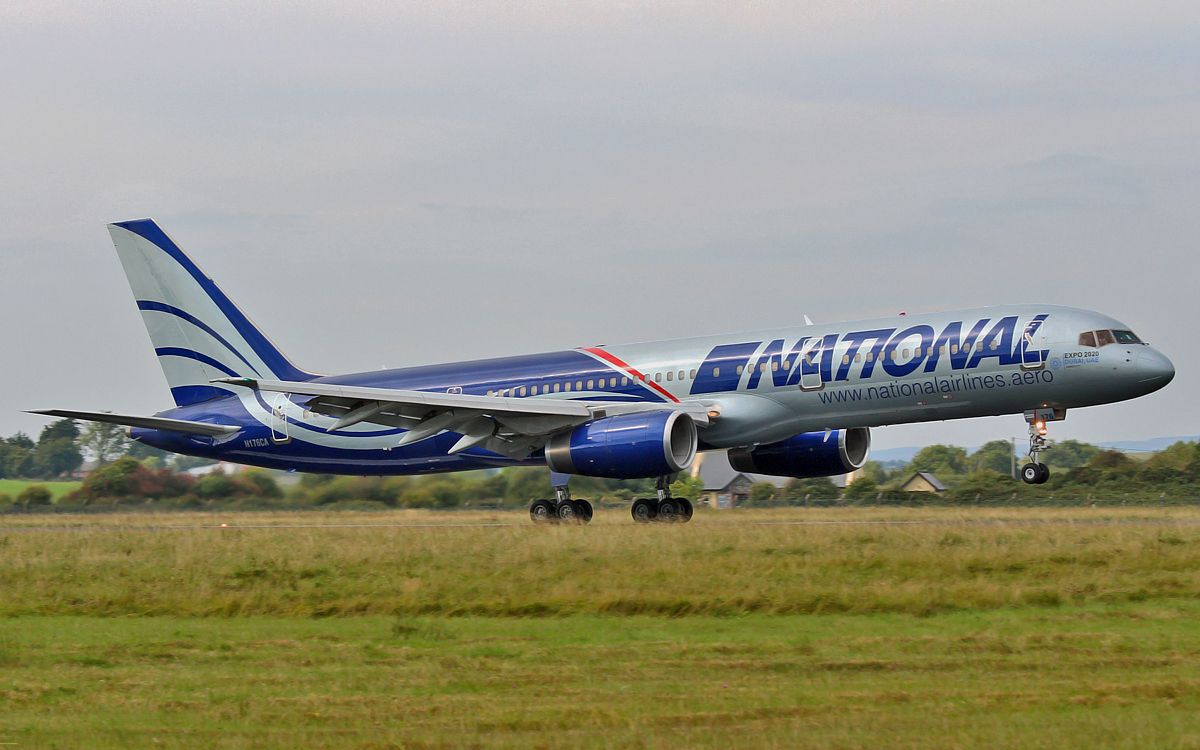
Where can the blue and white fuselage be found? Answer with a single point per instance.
(736, 391)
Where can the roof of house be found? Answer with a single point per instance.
(714, 470)
(933, 481)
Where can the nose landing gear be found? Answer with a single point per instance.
(1036, 472)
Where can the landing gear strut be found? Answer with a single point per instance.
(562, 509)
(663, 508)
(1036, 472)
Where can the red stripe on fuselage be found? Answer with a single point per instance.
(617, 362)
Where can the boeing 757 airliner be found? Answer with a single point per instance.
(794, 402)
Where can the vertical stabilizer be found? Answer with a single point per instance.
(198, 333)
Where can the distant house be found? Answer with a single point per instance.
(724, 486)
(923, 481)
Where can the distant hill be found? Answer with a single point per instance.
(1151, 444)
(900, 456)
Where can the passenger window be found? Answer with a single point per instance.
(994, 345)
(1088, 339)
(954, 348)
(692, 375)
(624, 382)
(1126, 337)
(845, 359)
(612, 382)
(740, 369)
(658, 377)
(917, 352)
(681, 374)
(557, 387)
(1104, 338)
(716, 372)
(670, 376)
(579, 385)
(906, 354)
(533, 391)
(870, 356)
(489, 393)
(591, 384)
(521, 392)
(858, 357)
(787, 364)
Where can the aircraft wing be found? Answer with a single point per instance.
(510, 426)
(153, 423)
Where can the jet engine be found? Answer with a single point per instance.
(809, 454)
(626, 446)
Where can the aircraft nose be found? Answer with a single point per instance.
(1154, 368)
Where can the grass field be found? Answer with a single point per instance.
(864, 628)
(14, 487)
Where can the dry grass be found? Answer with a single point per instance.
(855, 629)
(722, 564)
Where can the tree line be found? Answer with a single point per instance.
(128, 473)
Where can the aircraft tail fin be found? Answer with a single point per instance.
(198, 333)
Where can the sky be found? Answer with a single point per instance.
(391, 184)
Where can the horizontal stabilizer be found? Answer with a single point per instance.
(151, 423)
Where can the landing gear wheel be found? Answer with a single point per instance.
(583, 510)
(685, 509)
(542, 511)
(644, 510)
(1035, 473)
(668, 510)
(568, 512)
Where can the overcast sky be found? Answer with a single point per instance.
(383, 185)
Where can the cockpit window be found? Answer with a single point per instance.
(1104, 338)
(1126, 337)
(1088, 339)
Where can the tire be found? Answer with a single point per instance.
(568, 512)
(584, 509)
(685, 509)
(1031, 473)
(668, 511)
(1043, 474)
(643, 510)
(542, 511)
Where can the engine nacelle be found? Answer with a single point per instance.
(809, 454)
(627, 446)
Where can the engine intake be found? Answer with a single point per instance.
(809, 454)
(627, 446)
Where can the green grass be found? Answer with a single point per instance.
(14, 487)
(1040, 629)
(1120, 676)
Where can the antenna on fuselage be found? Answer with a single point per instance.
(807, 320)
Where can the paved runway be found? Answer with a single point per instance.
(519, 520)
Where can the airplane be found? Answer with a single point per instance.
(789, 402)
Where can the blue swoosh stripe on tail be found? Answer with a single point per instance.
(144, 304)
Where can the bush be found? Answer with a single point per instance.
(34, 494)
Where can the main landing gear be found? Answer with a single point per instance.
(664, 508)
(1036, 472)
(562, 509)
